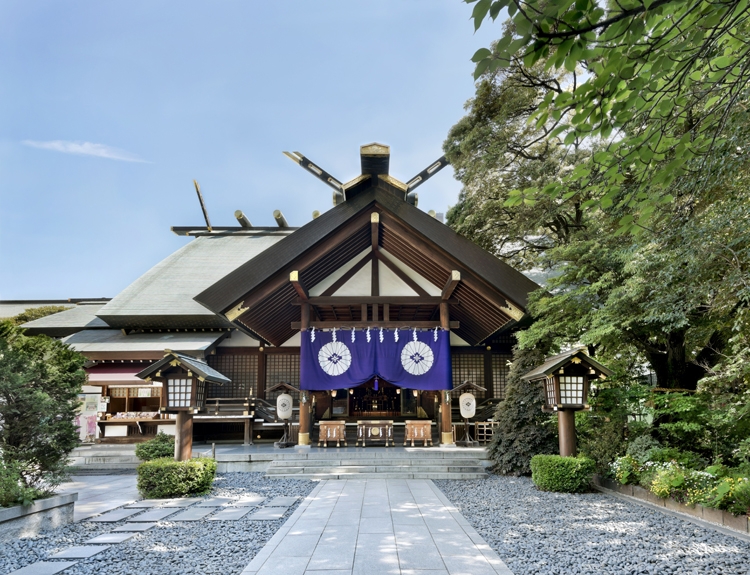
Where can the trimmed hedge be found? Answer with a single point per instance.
(160, 446)
(562, 474)
(166, 477)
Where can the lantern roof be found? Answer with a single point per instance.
(555, 362)
(466, 385)
(174, 359)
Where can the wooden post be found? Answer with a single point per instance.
(446, 436)
(303, 437)
(248, 431)
(183, 441)
(566, 421)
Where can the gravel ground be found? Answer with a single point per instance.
(536, 532)
(198, 547)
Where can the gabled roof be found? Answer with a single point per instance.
(163, 297)
(555, 362)
(198, 367)
(67, 322)
(492, 296)
(113, 344)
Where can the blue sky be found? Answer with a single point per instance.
(109, 110)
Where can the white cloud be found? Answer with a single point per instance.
(85, 149)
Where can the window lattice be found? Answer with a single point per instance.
(550, 387)
(571, 389)
(468, 367)
(179, 392)
(500, 371)
(241, 369)
(282, 368)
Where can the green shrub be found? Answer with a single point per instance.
(13, 491)
(741, 502)
(160, 446)
(166, 477)
(685, 458)
(563, 474)
(641, 447)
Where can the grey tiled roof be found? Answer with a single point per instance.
(163, 296)
(113, 340)
(551, 364)
(82, 316)
(191, 363)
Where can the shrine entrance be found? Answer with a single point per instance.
(378, 399)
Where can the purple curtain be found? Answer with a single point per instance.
(421, 363)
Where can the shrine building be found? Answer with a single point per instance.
(373, 310)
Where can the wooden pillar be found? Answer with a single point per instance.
(248, 431)
(566, 421)
(303, 437)
(183, 441)
(446, 436)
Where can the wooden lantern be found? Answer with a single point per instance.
(566, 378)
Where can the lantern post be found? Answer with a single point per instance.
(566, 380)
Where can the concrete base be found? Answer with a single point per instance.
(28, 520)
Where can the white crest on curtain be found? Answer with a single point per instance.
(417, 357)
(334, 358)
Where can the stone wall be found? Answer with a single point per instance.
(28, 520)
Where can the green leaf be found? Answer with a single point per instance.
(570, 138)
(481, 54)
(480, 11)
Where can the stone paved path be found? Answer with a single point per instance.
(376, 527)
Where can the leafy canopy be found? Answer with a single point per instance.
(662, 79)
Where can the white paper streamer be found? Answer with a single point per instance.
(415, 334)
(381, 335)
(435, 334)
(352, 335)
(334, 334)
(368, 335)
(395, 335)
(312, 334)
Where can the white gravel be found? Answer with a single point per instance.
(541, 533)
(204, 546)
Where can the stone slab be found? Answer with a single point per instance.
(215, 502)
(116, 515)
(231, 514)
(109, 538)
(44, 568)
(268, 513)
(249, 500)
(184, 502)
(282, 501)
(193, 514)
(80, 552)
(153, 515)
(133, 527)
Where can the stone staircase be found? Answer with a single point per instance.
(103, 460)
(433, 463)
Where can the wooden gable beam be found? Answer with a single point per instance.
(401, 275)
(375, 240)
(298, 286)
(451, 284)
(335, 286)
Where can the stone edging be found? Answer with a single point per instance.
(705, 514)
(9, 513)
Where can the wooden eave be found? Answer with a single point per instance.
(259, 297)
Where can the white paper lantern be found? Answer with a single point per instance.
(468, 405)
(284, 406)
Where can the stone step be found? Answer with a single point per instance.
(371, 462)
(385, 475)
(110, 459)
(343, 453)
(104, 465)
(376, 469)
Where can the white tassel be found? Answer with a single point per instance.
(312, 334)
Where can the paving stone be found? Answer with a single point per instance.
(113, 516)
(268, 513)
(133, 527)
(44, 568)
(80, 552)
(215, 502)
(282, 502)
(249, 500)
(193, 514)
(110, 538)
(231, 514)
(148, 503)
(154, 515)
(184, 502)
